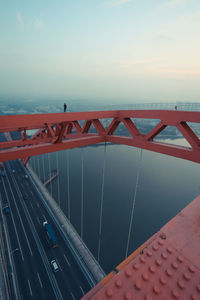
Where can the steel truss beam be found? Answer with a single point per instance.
(61, 131)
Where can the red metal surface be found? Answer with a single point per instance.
(166, 267)
(63, 131)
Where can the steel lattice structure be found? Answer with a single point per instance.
(61, 131)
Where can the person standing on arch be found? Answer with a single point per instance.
(65, 107)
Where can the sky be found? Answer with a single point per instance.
(114, 50)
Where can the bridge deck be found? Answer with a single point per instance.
(167, 266)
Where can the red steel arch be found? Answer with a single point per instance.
(60, 131)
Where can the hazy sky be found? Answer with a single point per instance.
(128, 50)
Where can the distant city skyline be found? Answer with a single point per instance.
(115, 50)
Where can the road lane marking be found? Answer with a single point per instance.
(72, 296)
(18, 192)
(31, 205)
(82, 290)
(39, 280)
(19, 244)
(44, 217)
(66, 260)
(38, 220)
(37, 204)
(30, 288)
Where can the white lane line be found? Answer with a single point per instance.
(44, 217)
(72, 296)
(31, 205)
(39, 280)
(30, 288)
(18, 192)
(19, 244)
(82, 290)
(37, 204)
(66, 260)
(31, 193)
(38, 220)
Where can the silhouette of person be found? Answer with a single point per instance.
(65, 107)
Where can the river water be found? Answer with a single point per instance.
(166, 185)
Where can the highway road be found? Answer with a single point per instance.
(30, 249)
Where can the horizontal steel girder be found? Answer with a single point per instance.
(61, 131)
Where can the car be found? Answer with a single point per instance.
(26, 176)
(54, 266)
(6, 209)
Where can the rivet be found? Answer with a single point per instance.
(163, 281)
(128, 273)
(109, 292)
(156, 289)
(186, 276)
(118, 283)
(155, 247)
(142, 259)
(180, 284)
(163, 236)
(180, 259)
(152, 269)
(169, 272)
(198, 288)
(175, 294)
(169, 250)
(138, 284)
(160, 242)
(158, 262)
(164, 255)
(194, 297)
(174, 265)
(191, 269)
(136, 266)
(149, 253)
(128, 296)
(145, 276)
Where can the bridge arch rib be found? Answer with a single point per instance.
(59, 131)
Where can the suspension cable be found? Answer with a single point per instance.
(102, 198)
(133, 204)
(81, 193)
(43, 168)
(68, 194)
(38, 161)
(58, 179)
(50, 173)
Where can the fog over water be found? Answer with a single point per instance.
(166, 185)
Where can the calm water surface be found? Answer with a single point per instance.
(166, 185)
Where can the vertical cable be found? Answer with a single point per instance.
(68, 194)
(50, 173)
(43, 168)
(58, 179)
(38, 160)
(81, 193)
(102, 198)
(133, 204)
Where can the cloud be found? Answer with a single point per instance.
(19, 18)
(120, 2)
(38, 24)
(173, 3)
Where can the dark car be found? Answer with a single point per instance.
(6, 209)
